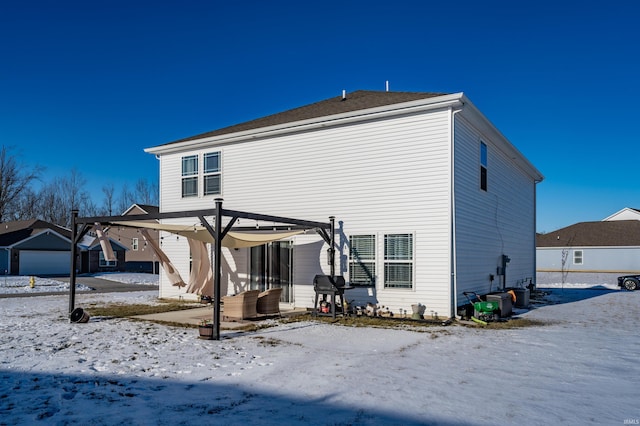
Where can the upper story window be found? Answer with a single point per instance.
(134, 244)
(190, 176)
(398, 261)
(212, 175)
(362, 260)
(483, 166)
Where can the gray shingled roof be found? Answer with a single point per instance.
(618, 233)
(13, 232)
(361, 99)
(149, 208)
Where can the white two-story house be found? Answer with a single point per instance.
(429, 199)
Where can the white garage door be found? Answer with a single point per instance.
(45, 262)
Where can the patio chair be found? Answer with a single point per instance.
(269, 302)
(241, 306)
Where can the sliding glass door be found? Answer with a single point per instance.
(271, 266)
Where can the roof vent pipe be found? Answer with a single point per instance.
(386, 86)
(344, 95)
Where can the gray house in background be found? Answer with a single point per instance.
(36, 247)
(611, 245)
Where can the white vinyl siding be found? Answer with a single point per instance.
(313, 175)
(378, 175)
(490, 223)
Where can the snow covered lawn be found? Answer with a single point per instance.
(581, 368)
(22, 285)
(10, 284)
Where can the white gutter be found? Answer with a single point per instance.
(446, 101)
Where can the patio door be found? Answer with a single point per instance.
(271, 266)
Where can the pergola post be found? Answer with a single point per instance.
(217, 273)
(332, 245)
(74, 262)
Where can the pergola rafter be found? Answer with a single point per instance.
(325, 229)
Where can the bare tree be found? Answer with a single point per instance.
(109, 199)
(58, 198)
(26, 206)
(126, 200)
(15, 178)
(146, 192)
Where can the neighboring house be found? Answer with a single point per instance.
(139, 256)
(92, 257)
(36, 247)
(625, 214)
(611, 245)
(429, 198)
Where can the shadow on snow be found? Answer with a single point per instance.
(28, 398)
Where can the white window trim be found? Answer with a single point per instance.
(383, 262)
(184, 176)
(575, 257)
(206, 174)
(374, 261)
(135, 244)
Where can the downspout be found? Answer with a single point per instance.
(535, 227)
(453, 261)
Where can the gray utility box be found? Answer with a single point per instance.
(522, 297)
(504, 300)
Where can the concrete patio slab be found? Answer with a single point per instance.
(194, 316)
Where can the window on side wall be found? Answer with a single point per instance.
(398, 261)
(577, 257)
(134, 244)
(362, 260)
(190, 176)
(483, 166)
(212, 174)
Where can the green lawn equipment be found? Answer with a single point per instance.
(483, 311)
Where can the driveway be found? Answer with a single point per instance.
(99, 286)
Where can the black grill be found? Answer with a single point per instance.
(327, 282)
(326, 285)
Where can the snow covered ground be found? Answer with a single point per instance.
(580, 368)
(21, 285)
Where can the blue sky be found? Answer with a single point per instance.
(90, 84)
